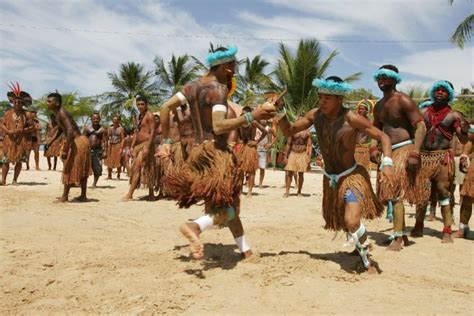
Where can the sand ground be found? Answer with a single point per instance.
(110, 257)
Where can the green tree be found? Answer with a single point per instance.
(416, 92)
(4, 106)
(360, 94)
(253, 81)
(173, 76)
(463, 31)
(297, 72)
(464, 105)
(80, 108)
(130, 81)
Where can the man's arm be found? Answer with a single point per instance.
(263, 131)
(309, 146)
(360, 123)
(415, 118)
(300, 125)
(288, 147)
(461, 125)
(151, 128)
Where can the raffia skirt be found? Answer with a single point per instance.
(334, 205)
(77, 166)
(113, 159)
(55, 149)
(468, 184)
(297, 162)
(166, 165)
(248, 158)
(432, 163)
(14, 151)
(413, 190)
(210, 174)
(148, 165)
(362, 156)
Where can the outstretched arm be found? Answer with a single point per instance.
(298, 126)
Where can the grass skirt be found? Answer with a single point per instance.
(414, 191)
(334, 205)
(14, 151)
(248, 158)
(113, 156)
(77, 166)
(148, 165)
(467, 188)
(210, 174)
(297, 162)
(55, 149)
(362, 156)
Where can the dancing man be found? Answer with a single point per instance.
(15, 128)
(347, 194)
(97, 135)
(437, 155)
(399, 117)
(210, 173)
(75, 154)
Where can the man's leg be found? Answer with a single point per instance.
(417, 231)
(118, 173)
(288, 178)
(465, 216)
(250, 183)
(237, 230)
(16, 172)
(135, 177)
(260, 180)
(433, 202)
(398, 227)
(356, 230)
(300, 182)
(109, 172)
(64, 197)
(28, 153)
(48, 159)
(443, 185)
(36, 152)
(83, 196)
(55, 159)
(5, 169)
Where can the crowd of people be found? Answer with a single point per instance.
(201, 148)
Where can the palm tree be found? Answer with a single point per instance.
(253, 81)
(180, 71)
(416, 92)
(297, 72)
(80, 108)
(464, 30)
(130, 81)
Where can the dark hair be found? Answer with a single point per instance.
(335, 79)
(246, 109)
(142, 98)
(95, 113)
(57, 97)
(389, 67)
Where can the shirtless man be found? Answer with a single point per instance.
(54, 150)
(76, 150)
(186, 129)
(263, 145)
(298, 153)
(97, 135)
(437, 155)
(33, 138)
(143, 150)
(115, 139)
(247, 153)
(15, 127)
(347, 194)
(362, 154)
(398, 116)
(210, 174)
(467, 188)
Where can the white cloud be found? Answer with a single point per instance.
(454, 65)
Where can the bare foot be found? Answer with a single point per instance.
(127, 198)
(61, 199)
(247, 254)
(81, 199)
(396, 244)
(285, 195)
(459, 234)
(249, 194)
(430, 217)
(447, 239)
(191, 232)
(373, 267)
(406, 242)
(14, 182)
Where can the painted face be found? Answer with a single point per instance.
(441, 95)
(142, 106)
(328, 102)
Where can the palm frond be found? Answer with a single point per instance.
(463, 32)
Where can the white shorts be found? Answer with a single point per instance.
(262, 159)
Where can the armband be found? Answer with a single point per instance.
(387, 161)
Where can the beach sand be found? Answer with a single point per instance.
(110, 257)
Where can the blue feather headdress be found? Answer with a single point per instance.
(383, 72)
(443, 84)
(425, 104)
(332, 87)
(221, 57)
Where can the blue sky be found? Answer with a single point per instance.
(107, 33)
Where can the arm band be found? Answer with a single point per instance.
(219, 108)
(168, 141)
(182, 98)
(387, 161)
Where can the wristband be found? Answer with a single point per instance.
(168, 141)
(387, 161)
(248, 117)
